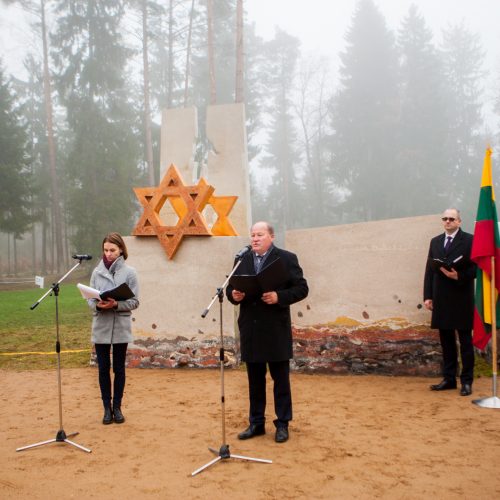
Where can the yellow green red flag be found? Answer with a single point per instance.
(486, 244)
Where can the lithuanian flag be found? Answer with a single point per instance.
(486, 244)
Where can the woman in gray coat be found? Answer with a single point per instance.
(112, 323)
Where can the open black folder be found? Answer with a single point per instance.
(121, 292)
(270, 278)
(447, 263)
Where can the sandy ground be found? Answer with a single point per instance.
(352, 437)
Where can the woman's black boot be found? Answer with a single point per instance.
(118, 415)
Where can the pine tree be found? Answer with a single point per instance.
(423, 169)
(364, 115)
(281, 154)
(90, 56)
(463, 61)
(14, 179)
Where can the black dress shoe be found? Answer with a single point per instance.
(281, 435)
(252, 430)
(118, 415)
(444, 385)
(466, 390)
(108, 416)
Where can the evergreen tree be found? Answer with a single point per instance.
(463, 59)
(281, 155)
(364, 116)
(90, 56)
(423, 170)
(33, 112)
(14, 179)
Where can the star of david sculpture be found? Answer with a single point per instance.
(188, 202)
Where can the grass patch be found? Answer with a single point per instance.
(23, 330)
(482, 368)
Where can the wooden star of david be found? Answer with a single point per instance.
(222, 205)
(192, 199)
(188, 203)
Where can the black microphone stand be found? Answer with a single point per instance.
(224, 453)
(61, 436)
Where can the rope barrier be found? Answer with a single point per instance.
(41, 353)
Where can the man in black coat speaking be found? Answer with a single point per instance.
(266, 331)
(449, 294)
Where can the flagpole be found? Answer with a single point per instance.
(493, 328)
(494, 401)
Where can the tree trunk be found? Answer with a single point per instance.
(56, 208)
(147, 110)
(33, 249)
(239, 91)
(211, 56)
(15, 253)
(188, 54)
(9, 272)
(44, 243)
(170, 69)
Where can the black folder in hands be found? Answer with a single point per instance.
(121, 292)
(448, 264)
(269, 279)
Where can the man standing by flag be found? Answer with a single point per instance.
(449, 294)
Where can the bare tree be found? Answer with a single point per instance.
(311, 110)
(188, 53)
(239, 92)
(147, 108)
(56, 207)
(211, 52)
(170, 70)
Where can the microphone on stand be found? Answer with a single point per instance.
(243, 252)
(82, 257)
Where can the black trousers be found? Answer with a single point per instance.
(450, 355)
(280, 373)
(104, 361)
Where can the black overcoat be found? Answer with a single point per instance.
(452, 300)
(266, 329)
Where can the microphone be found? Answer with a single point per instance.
(243, 252)
(82, 257)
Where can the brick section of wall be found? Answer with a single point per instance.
(385, 348)
(181, 353)
(377, 348)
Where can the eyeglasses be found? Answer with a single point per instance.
(446, 219)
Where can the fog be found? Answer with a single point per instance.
(356, 111)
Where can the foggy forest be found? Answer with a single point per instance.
(399, 131)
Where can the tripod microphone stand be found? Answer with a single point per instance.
(223, 453)
(61, 436)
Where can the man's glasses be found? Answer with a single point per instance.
(446, 219)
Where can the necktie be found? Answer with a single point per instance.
(447, 245)
(259, 262)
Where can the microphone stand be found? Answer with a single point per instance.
(61, 436)
(224, 453)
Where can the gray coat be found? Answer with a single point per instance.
(113, 326)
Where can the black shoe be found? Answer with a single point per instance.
(118, 415)
(108, 416)
(444, 385)
(281, 435)
(466, 390)
(252, 430)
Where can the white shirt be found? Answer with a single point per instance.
(452, 236)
